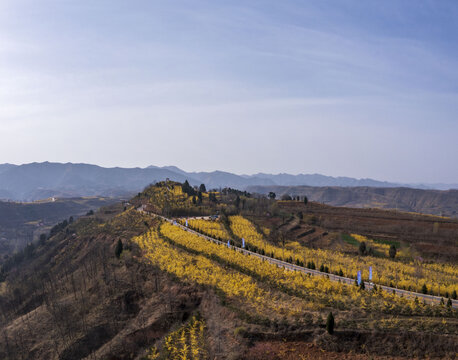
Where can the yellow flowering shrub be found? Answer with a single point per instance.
(440, 278)
(319, 291)
(188, 342)
(201, 270)
(211, 228)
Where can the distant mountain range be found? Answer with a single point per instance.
(435, 202)
(35, 181)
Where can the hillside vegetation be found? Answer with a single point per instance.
(129, 285)
(23, 223)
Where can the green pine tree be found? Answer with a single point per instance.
(330, 324)
(392, 251)
(424, 289)
(118, 249)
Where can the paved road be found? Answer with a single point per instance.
(293, 267)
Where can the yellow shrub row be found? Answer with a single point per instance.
(442, 279)
(319, 291)
(199, 269)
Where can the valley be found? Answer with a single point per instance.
(23, 223)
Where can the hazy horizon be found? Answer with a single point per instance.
(231, 172)
(355, 89)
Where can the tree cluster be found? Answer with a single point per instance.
(58, 228)
(212, 197)
(364, 249)
(188, 189)
(228, 191)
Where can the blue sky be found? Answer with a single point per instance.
(350, 88)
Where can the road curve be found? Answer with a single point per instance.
(293, 267)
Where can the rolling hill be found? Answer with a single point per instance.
(35, 181)
(21, 223)
(125, 283)
(435, 202)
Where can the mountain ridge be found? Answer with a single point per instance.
(34, 181)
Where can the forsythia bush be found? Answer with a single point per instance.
(210, 228)
(440, 278)
(188, 342)
(382, 248)
(199, 269)
(316, 291)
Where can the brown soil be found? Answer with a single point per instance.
(276, 350)
(73, 299)
(76, 300)
(429, 236)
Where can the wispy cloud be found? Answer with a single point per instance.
(361, 90)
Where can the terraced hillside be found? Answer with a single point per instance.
(131, 285)
(433, 202)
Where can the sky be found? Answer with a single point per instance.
(366, 89)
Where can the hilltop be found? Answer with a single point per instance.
(126, 284)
